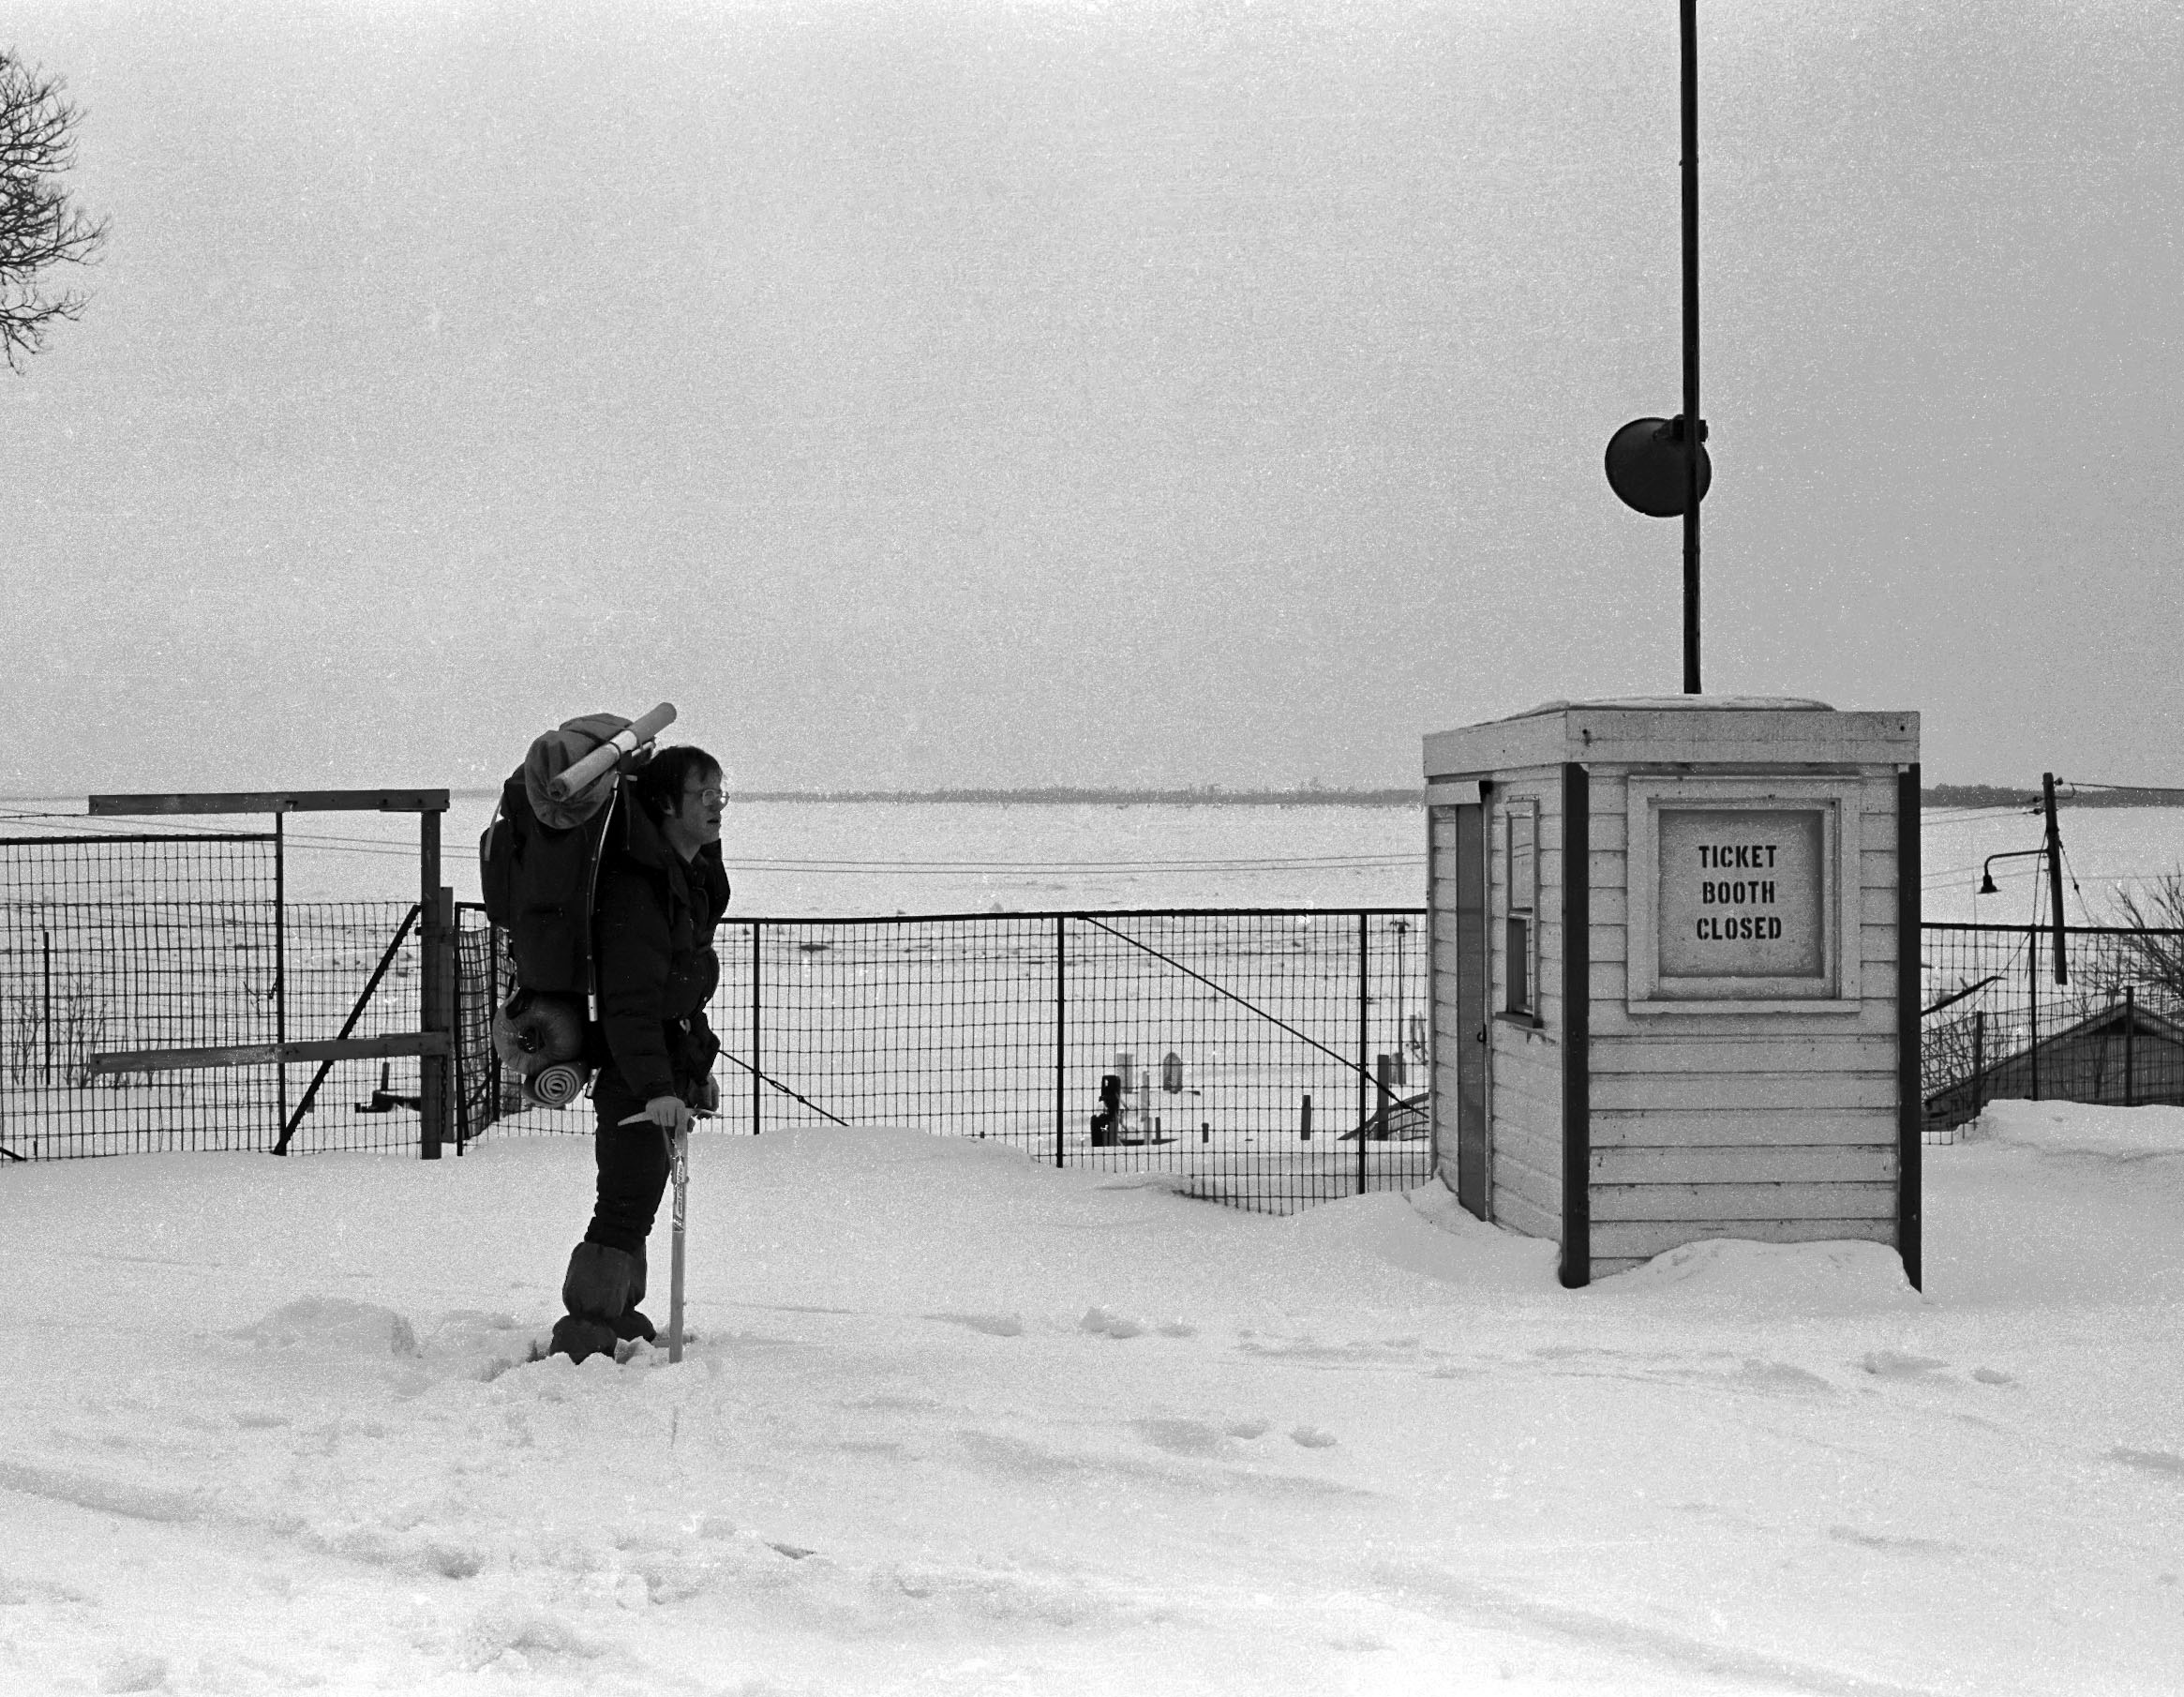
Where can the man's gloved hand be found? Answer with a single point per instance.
(671, 1114)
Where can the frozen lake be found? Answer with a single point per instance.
(806, 858)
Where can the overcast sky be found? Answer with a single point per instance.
(956, 391)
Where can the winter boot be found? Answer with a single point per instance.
(596, 1293)
(632, 1323)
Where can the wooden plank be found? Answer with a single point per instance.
(1822, 1052)
(1746, 1090)
(1521, 1114)
(1780, 1164)
(1534, 1163)
(1520, 1213)
(1629, 1128)
(269, 1054)
(270, 800)
(1633, 1242)
(1611, 1019)
(1611, 908)
(1718, 1202)
(1539, 1191)
(1608, 981)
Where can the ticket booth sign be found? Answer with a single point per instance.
(1736, 896)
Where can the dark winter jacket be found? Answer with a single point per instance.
(656, 967)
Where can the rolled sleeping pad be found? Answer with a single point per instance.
(542, 1030)
(557, 1086)
(602, 760)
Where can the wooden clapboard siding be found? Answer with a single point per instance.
(1782, 1133)
(1618, 1246)
(1844, 1049)
(1517, 1210)
(1822, 1164)
(1718, 1202)
(1730, 1128)
(1779, 1125)
(1612, 1020)
(1521, 1188)
(1524, 1062)
(1672, 1092)
(1877, 907)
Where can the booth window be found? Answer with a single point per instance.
(1520, 888)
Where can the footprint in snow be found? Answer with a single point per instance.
(1898, 1364)
(2149, 1461)
(1311, 1437)
(133, 1673)
(1101, 1323)
(992, 1325)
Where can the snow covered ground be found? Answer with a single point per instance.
(954, 1423)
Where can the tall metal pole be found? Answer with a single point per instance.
(2055, 878)
(757, 1058)
(432, 990)
(1061, 1034)
(281, 962)
(1691, 414)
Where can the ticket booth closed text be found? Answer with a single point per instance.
(1675, 974)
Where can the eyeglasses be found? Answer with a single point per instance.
(711, 797)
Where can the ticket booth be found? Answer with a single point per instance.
(1675, 974)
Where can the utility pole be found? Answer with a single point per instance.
(2055, 877)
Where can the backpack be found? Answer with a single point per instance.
(538, 862)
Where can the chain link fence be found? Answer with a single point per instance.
(1996, 1025)
(1269, 1058)
(1266, 1058)
(130, 940)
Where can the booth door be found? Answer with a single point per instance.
(1460, 991)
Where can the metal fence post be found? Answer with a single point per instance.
(2032, 978)
(46, 940)
(1061, 1031)
(1978, 1063)
(280, 964)
(432, 1070)
(2130, 1046)
(1364, 1037)
(492, 1007)
(757, 1057)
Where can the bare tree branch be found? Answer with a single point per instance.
(39, 226)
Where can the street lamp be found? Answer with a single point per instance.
(2051, 851)
(1987, 877)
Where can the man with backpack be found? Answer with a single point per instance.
(661, 890)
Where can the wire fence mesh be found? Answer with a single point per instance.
(1236, 1052)
(1996, 1024)
(336, 953)
(133, 941)
(1264, 1057)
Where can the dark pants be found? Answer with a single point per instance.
(632, 1169)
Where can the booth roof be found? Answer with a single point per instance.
(1678, 704)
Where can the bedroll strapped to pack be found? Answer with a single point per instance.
(538, 865)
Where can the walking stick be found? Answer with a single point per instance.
(680, 1168)
(675, 1262)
